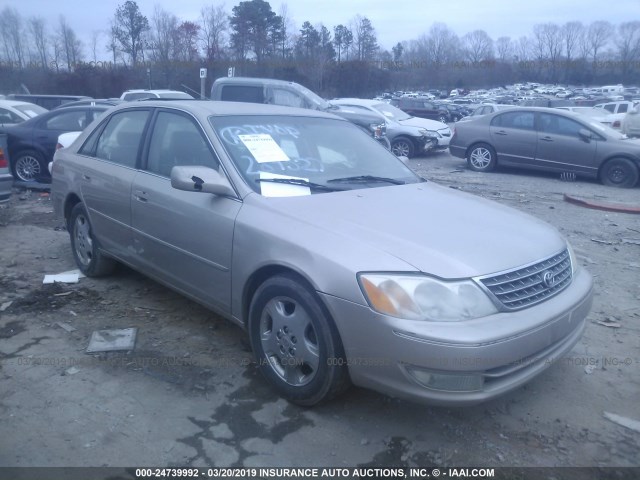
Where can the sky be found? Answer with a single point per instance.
(394, 21)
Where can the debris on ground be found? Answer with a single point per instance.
(112, 340)
(630, 423)
(611, 322)
(68, 328)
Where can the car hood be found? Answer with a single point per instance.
(423, 123)
(433, 229)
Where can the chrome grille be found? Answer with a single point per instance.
(532, 284)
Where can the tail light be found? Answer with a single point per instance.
(59, 146)
(3, 160)
(616, 124)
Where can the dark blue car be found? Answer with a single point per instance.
(32, 143)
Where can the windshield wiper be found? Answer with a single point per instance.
(301, 182)
(366, 178)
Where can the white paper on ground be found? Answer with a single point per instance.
(274, 189)
(61, 278)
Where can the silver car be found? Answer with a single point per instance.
(548, 139)
(325, 247)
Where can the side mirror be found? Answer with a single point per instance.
(194, 178)
(585, 135)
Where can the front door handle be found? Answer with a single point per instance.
(140, 195)
(501, 132)
(546, 139)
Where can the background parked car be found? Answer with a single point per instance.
(547, 139)
(410, 135)
(46, 101)
(17, 111)
(6, 179)
(141, 94)
(32, 143)
(631, 122)
(406, 140)
(109, 102)
(487, 109)
(291, 94)
(417, 107)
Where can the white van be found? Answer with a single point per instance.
(613, 89)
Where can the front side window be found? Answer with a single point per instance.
(558, 125)
(119, 142)
(286, 98)
(9, 117)
(177, 141)
(326, 152)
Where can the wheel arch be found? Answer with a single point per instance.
(634, 160)
(261, 275)
(71, 201)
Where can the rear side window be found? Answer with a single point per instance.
(242, 93)
(119, 142)
(518, 120)
(70, 121)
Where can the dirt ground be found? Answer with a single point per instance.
(189, 394)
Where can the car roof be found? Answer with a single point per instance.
(13, 103)
(359, 101)
(211, 107)
(247, 80)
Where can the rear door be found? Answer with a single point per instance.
(514, 137)
(183, 238)
(108, 165)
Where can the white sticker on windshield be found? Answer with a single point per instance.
(276, 189)
(263, 148)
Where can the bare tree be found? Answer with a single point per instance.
(342, 39)
(598, 36)
(477, 46)
(628, 45)
(523, 49)
(572, 32)
(95, 37)
(214, 27)
(504, 48)
(112, 44)
(548, 46)
(12, 35)
(38, 33)
(443, 44)
(288, 27)
(71, 45)
(163, 36)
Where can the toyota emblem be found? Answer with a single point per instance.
(548, 279)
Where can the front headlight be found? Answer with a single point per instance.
(428, 133)
(418, 297)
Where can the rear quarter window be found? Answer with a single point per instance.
(242, 93)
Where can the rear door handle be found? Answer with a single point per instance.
(86, 177)
(546, 139)
(501, 132)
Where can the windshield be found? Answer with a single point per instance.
(317, 102)
(30, 109)
(391, 112)
(316, 153)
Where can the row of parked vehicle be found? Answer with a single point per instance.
(32, 130)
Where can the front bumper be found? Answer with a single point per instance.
(505, 350)
(6, 184)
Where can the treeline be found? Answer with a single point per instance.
(164, 51)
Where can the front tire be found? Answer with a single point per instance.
(86, 251)
(481, 158)
(403, 147)
(619, 172)
(28, 166)
(296, 343)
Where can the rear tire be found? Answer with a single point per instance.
(481, 157)
(619, 172)
(86, 250)
(28, 166)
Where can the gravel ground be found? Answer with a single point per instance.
(190, 395)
